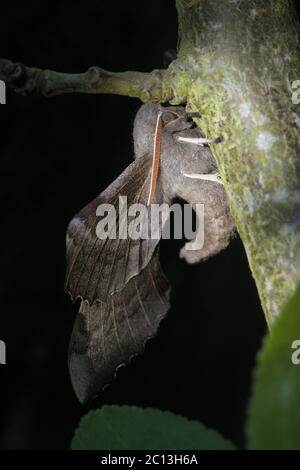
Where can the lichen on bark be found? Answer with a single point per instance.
(236, 63)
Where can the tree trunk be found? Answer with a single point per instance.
(236, 64)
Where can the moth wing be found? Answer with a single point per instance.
(108, 335)
(98, 267)
(217, 225)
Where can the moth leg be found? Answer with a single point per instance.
(218, 226)
(199, 140)
(215, 177)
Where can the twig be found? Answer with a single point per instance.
(146, 86)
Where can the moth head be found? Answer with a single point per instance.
(174, 119)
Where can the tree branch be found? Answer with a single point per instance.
(152, 86)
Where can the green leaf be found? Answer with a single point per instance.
(125, 427)
(274, 413)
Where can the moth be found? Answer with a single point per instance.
(123, 292)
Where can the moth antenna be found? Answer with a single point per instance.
(200, 140)
(156, 157)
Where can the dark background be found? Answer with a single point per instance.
(56, 155)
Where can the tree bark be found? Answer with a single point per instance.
(236, 63)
